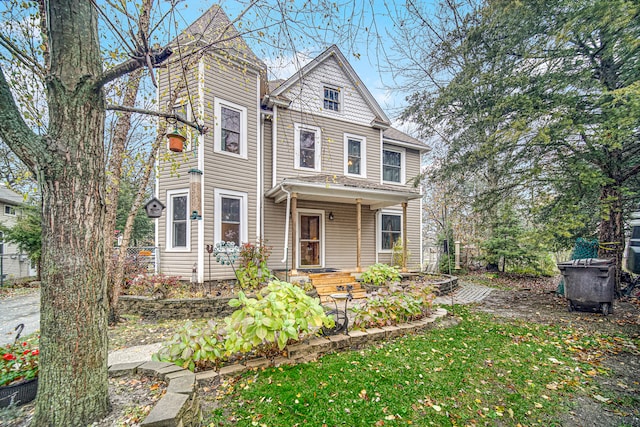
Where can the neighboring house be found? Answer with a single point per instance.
(310, 165)
(13, 263)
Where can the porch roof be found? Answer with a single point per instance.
(340, 189)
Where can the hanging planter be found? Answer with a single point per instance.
(176, 142)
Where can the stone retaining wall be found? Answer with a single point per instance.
(187, 308)
(446, 286)
(180, 406)
(207, 308)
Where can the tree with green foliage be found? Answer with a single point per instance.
(26, 233)
(538, 101)
(506, 244)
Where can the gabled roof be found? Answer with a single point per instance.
(397, 137)
(381, 119)
(10, 197)
(214, 28)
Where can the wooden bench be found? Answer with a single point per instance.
(331, 283)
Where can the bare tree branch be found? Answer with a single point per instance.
(28, 61)
(177, 117)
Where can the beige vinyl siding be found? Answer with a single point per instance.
(413, 165)
(229, 82)
(332, 145)
(413, 235)
(339, 235)
(173, 175)
(308, 95)
(267, 155)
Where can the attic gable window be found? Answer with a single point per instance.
(331, 98)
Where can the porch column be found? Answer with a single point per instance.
(294, 233)
(404, 236)
(358, 234)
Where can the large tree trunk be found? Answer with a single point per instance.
(73, 387)
(611, 234)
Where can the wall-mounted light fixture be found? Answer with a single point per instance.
(331, 216)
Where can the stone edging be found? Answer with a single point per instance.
(180, 405)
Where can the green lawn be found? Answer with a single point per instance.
(483, 371)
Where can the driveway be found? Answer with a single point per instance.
(19, 309)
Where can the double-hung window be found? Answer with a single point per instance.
(230, 216)
(355, 156)
(390, 229)
(231, 128)
(393, 165)
(307, 147)
(331, 98)
(178, 220)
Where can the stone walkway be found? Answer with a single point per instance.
(465, 294)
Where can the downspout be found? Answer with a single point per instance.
(286, 232)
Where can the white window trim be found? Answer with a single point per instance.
(188, 131)
(363, 155)
(218, 193)
(379, 228)
(10, 209)
(169, 238)
(217, 147)
(297, 128)
(323, 242)
(403, 155)
(340, 98)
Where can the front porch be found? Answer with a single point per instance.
(336, 221)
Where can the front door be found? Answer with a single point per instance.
(310, 242)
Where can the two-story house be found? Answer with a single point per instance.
(309, 165)
(13, 263)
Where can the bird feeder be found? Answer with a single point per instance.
(195, 179)
(176, 141)
(154, 208)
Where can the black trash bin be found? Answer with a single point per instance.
(589, 283)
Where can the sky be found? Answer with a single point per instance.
(360, 29)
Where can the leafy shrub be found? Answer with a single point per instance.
(446, 264)
(134, 266)
(194, 347)
(395, 305)
(253, 271)
(381, 274)
(397, 256)
(280, 312)
(159, 285)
